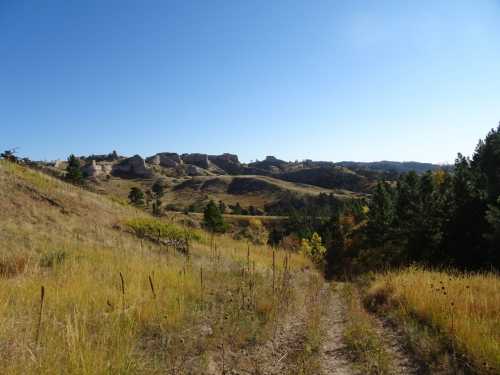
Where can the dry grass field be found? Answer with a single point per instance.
(457, 315)
(81, 293)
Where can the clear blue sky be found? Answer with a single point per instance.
(326, 80)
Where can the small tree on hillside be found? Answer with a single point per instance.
(136, 196)
(212, 218)
(9, 155)
(158, 191)
(314, 248)
(156, 206)
(73, 170)
(237, 209)
(222, 207)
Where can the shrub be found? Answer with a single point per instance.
(52, 258)
(154, 228)
(314, 249)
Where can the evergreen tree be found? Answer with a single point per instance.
(73, 170)
(275, 237)
(465, 241)
(158, 189)
(237, 209)
(156, 207)
(380, 215)
(486, 163)
(9, 155)
(136, 196)
(336, 248)
(212, 218)
(222, 207)
(493, 235)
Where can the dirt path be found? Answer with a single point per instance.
(276, 356)
(333, 358)
(402, 361)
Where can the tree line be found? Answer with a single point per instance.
(443, 218)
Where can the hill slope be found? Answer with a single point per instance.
(117, 300)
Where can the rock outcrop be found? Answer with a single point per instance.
(132, 167)
(94, 169)
(193, 170)
(165, 159)
(199, 160)
(270, 164)
(227, 162)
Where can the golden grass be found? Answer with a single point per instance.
(362, 340)
(166, 319)
(317, 303)
(464, 308)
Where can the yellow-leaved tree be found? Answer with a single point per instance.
(314, 248)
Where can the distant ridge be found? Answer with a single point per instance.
(191, 180)
(393, 166)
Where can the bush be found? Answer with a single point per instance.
(255, 232)
(314, 249)
(154, 228)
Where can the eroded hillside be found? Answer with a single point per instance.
(191, 180)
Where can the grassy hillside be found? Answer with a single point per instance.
(84, 289)
(329, 178)
(246, 190)
(449, 319)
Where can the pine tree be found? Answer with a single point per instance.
(465, 241)
(9, 155)
(380, 215)
(73, 170)
(158, 189)
(222, 207)
(486, 163)
(237, 209)
(136, 196)
(212, 218)
(336, 242)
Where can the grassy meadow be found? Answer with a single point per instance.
(82, 292)
(450, 319)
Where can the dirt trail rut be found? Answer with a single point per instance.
(334, 358)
